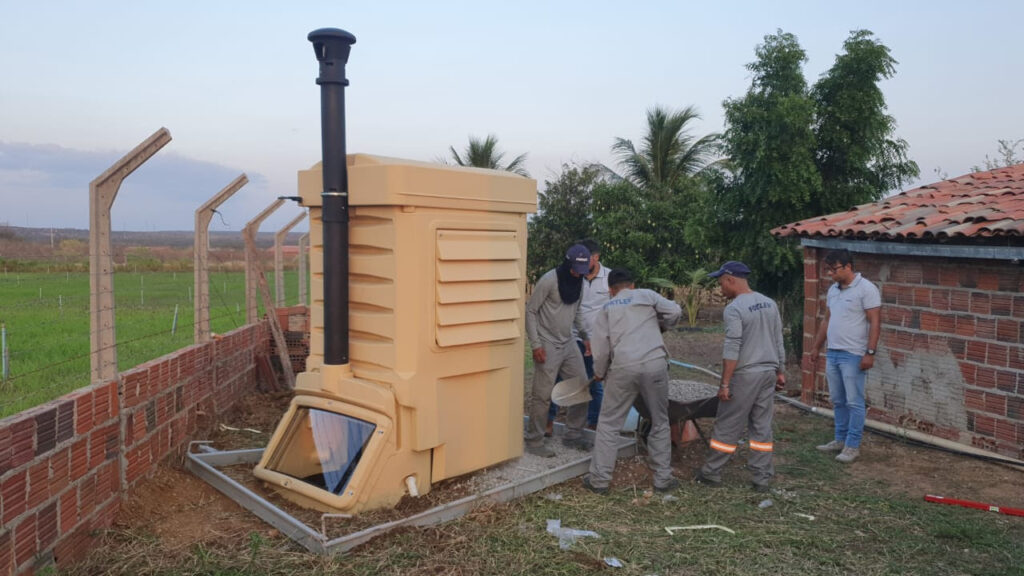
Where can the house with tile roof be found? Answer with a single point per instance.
(948, 258)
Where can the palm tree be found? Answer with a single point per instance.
(669, 152)
(484, 154)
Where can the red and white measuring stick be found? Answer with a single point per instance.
(975, 505)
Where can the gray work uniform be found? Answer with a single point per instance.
(753, 337)
(630, 353)
(550, 324)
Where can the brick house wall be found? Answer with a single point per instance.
(65, 465)
(951, 355)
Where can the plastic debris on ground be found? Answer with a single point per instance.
(673, 529)
(613, 561)
(804, 516)
(567, 536)
(556, 497)
(766, 503)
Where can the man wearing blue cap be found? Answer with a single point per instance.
(753, 368)
(552, 312)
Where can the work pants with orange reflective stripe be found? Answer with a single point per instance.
(751, 407)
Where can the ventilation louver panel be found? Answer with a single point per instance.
(477, 287)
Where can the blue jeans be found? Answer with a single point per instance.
(846, 389)
(596, 391)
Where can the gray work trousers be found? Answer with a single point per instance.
(567, 362)
(621, 386)
(751, 407)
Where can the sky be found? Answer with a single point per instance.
(82, 83)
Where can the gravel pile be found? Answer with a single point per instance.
(687, 391)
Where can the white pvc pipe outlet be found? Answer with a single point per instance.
(410, 483)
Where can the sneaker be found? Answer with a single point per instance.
(540, 450)
(833, 446)
(761, 488)
(671, 486)
(581, 443)
(703, 480)
(848, 455)
(592, 488)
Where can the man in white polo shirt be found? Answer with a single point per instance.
(851, 327)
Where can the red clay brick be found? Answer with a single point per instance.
(985, 425)
(981, 303)
(25, 540)
(995, 404)
(14, 491)
(46, 431)
(68, 511)
(6, 552)
(79, 458)
(985, 328)
(986, 377)
(998, 355)
(941, 299)
(46, 526)
(38, 483)
(947, 324)
(23, 434)
(974, 399)
(965, 326)
(60, 470)
(1006, 431)
(5, 449)
(1001, 304)
(929, 321)
(960, 301)
(83, 413)
(73, 547)
(976, 352)
(922, 297)
(1008, 330)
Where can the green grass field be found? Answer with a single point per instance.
(46, 320)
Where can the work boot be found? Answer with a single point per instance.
(760, 488)
(592, 488)
(848, 455)
(668, 487)
(580, 443)
(540, 450)
(833, 446)
(703, 480)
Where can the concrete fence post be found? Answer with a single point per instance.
(303, 252)
(102, 192)
(279, 238)
(201, 258)
(252, 261)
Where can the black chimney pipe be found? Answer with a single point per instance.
(332, 47)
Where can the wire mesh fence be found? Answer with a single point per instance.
(45, 343)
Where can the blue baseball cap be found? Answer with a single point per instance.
(579, 256)
(732, 268)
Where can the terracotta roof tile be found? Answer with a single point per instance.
(978, 205)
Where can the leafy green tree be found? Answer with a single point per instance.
(668, 152)
(771, 175)
(564, 215)
(858, 156)
(485, 154)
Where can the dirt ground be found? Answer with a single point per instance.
(182, 511)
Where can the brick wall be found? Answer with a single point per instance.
(65, 465)
(951, 356)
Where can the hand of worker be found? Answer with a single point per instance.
(586, 348)
(867, 361)
(723, 393)
(811, 360)
(539, 356)
(780, 381)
